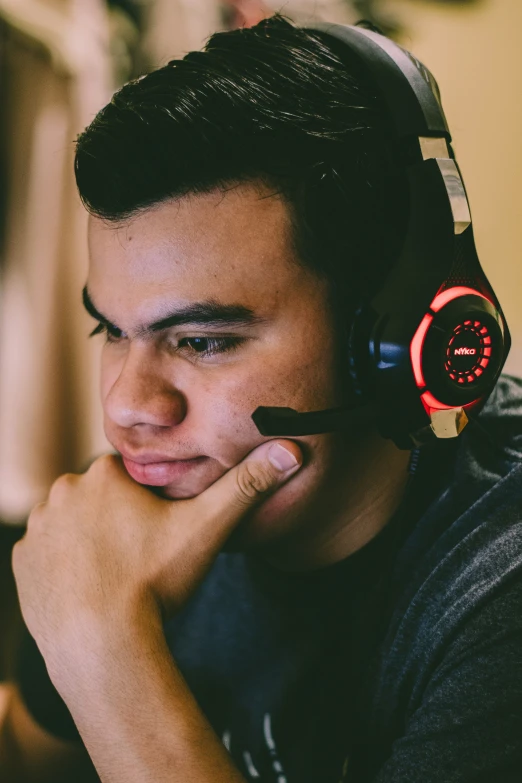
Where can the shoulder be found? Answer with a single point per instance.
(492, 442)
(504, 407)
(479, 495)
(465, 552)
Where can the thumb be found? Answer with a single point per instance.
(258, 475)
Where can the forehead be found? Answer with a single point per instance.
(221, 244)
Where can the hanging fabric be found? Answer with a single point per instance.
(56, 77)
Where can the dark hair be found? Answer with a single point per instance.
(275, 104)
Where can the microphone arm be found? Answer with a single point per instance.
(281, 422)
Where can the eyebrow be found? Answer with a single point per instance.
(208, 313)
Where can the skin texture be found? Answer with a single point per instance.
(95, 581)
(105, 559)
(159, 395)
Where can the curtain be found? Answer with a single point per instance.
(56, 76)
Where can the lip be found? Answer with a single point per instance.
(160, 473)
(146, 457)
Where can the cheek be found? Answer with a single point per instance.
(223, 403)
(222, 412)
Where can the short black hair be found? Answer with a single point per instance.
(275, 104)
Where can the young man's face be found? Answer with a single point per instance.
(164, 399)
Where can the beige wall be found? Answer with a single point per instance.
(475, 54)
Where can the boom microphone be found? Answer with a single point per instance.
(280, 422)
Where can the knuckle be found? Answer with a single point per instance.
(253, 480)
(16, 555)
(60, 487)
(103, 469)
(20, 557)
(34, 520)
(103, 464)
(36, 511)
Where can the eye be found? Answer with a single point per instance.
(112, 334)
(207, 346)
(200, 347)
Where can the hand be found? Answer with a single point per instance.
(103, 549)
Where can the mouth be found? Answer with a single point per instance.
(159, 474)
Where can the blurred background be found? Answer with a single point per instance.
(60, 61)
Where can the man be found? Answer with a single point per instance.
(208, 606)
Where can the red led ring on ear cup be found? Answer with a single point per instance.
(456, 350)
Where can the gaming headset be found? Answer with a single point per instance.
(429, 347)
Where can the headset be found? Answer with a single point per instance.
(430, 345)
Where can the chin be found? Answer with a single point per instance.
(180, 492)
(250, 532)
(268, 523)
(263, 525)
(174, 493)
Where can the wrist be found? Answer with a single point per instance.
(96, 646)
(136, 714)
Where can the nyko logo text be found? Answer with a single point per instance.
(465, 351)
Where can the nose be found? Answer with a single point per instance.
(141, 394)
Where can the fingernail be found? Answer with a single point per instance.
(281, 458)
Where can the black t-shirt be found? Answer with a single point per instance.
(400, 663)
